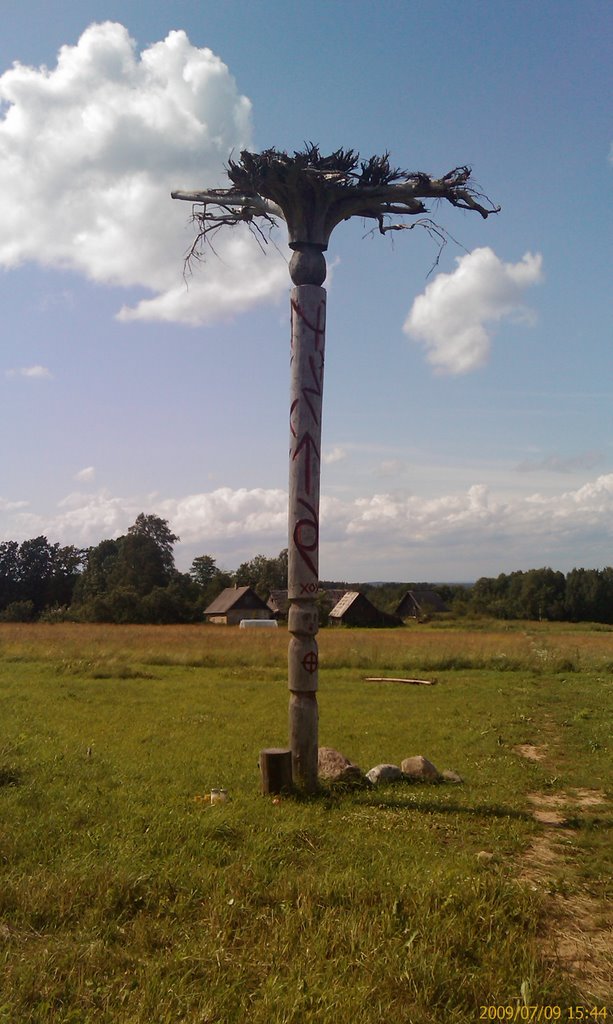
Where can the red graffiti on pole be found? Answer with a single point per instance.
(318, 328)
(305, 417)
(307, 445)
(292, 410)
(305, 545)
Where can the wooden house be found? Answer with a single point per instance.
(278, 601)
(354, 609)
(234, 604)
(420, 604)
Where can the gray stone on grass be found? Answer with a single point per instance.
(419, 769)
(332, 766)
(384, 773)
(450, 776)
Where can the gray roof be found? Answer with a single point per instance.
(420, 599)
(278, 600)
(345, 602)
(229, 598)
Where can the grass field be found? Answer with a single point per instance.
(125, 898)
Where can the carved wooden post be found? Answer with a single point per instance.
(312, 194)
(308, 318)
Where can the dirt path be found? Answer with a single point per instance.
(579, 933)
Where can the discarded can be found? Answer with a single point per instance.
(219, 796)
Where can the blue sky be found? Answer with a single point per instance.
(467, 406)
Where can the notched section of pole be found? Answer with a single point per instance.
(308, 314)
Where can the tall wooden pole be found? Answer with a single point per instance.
(312, 194)
(308, 320)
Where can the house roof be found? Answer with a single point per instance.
(230, 598)
(344, 604)
(422, 599)
(332, 597)
(362, 611)
(278, 600)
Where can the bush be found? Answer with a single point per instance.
(57, 613)
(19, 611)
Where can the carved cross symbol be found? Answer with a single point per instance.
(310, 662)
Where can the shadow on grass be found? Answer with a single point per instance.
(426, 807)
(488, 811)
(9, 776)
(333, 797)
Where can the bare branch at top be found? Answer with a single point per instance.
(313, 193)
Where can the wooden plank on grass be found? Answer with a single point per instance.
(394, 679)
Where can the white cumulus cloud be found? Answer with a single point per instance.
(386, 534)
(31, 372)
(11, 506)
(86, 475)
(226, 513)
(453, 317)
(335, 454)
(89, 153)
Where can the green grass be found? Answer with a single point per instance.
(126, 899)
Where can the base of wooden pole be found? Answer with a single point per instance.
(303, 726)
(276, 770)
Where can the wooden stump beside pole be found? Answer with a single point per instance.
(276, 770)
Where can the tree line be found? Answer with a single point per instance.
(582, 595)
(133, 579)
(130, 579)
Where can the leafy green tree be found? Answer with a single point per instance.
(122, 605)
(490, 596)
(38, 572)
(180, 601)
(9, 572)
(126, 570)
(158, 531)
(35, 570)
(209, 579)
(541, 595)
(99, 562)
(203, 570)
(140, 564)
(536, 594)
(67, 567)
(263, 574)
(589, 595)
(18, 611)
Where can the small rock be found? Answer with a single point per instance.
(485, 856)
(384, 773)
(419, 769)
(332, 766)
(450, 776)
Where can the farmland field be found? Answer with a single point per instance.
(126, 898)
